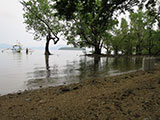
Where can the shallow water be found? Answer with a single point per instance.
(20, 71)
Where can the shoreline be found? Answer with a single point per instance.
(129, 96)
(120, 55)
(63, 85)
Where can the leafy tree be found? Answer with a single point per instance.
(137, 30)
(120, 40)
(108, 42)
(116, 41)
(156, 43)
(149, 32)
(139, 35)
(142, 30)
(39, 18)
(126, 38)
(153, 37)
(90, 19)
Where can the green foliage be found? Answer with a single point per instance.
(90, 19)
(125, 37)
(137, 36)
(39, 18)
(92, 23)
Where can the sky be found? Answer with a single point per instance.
(12, 28)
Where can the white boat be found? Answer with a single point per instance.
(17, 48)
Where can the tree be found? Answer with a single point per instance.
(126, 38)
(90, 19)
(143, 26)
(149, 32)
(139, 35)
(156, 43)
(108, 42)
(137, 30)
(39, 18)
(120, 40)
(116, 41)
(152, 17)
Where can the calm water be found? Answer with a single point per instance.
(19, 71)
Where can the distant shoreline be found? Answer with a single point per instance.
(70, 48)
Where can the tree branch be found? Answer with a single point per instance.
(34, 13)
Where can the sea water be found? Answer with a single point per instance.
(21, 71)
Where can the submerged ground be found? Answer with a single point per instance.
(133, 96)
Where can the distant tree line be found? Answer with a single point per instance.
(94, 23)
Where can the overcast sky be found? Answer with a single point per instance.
(12, 28)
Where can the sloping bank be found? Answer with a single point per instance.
(133, 96)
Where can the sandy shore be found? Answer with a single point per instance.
(133, 96)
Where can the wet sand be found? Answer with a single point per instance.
(132, 96)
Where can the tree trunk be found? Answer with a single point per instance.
(138, 46)
(97, 50)
(108, 51)
(129, 51)
(116, 50)
(138, 50)
(150, 45)
(47, 46)
(150, 51)
(48, 72)
(96, 63)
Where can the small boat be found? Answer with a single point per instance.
(17, 48)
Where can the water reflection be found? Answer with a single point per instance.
(17, 56)
(123, 64)
(48, 72)
(42, 75)
(81, 69)
(99, 67)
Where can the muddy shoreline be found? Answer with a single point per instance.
(132, 96)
